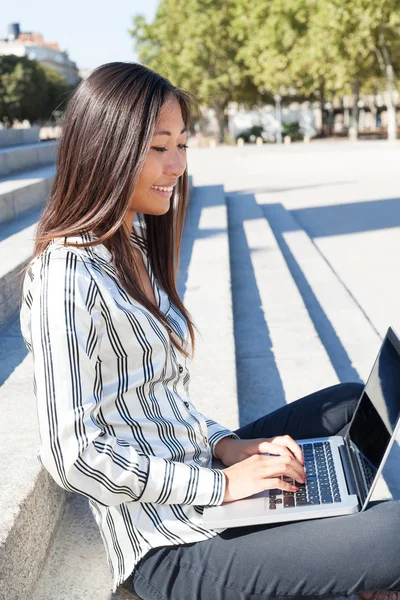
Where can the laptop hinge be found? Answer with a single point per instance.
(353, 486)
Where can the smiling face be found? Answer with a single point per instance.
(164, 164)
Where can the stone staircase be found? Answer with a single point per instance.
(260, 293)
(30, 505)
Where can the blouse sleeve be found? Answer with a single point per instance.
(61, 326)
(216, 432)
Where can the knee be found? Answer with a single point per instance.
(348, 392)
(339, 403)
(348, 395)
(351, 390)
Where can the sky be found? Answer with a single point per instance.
(93, 32)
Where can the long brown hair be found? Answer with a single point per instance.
(107, 129)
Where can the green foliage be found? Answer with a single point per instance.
(254, 132)
(292, 130)
(249, 50)
(322, 45)
(28, 90)
(195, 44)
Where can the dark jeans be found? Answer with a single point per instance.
(335, 556)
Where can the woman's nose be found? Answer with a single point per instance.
(176, 166)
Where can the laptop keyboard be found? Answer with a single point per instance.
(321, 486)
(369, 471)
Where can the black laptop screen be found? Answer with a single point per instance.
(379, 409)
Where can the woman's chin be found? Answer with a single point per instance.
(157, 211)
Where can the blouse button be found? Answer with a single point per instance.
(187, 404)
(180, 368)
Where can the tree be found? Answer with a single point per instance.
(288, 47)
(28, 90)
(195, 44)
(324, 47)
(368, 35)
(57, 92)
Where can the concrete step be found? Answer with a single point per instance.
(22, 191)
(27, 156)
(16, 248)
(30, 503)
(349, 336)
(272, 323)
(15, 137)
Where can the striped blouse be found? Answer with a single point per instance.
(115, 418)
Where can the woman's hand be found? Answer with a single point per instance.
(259, 473)
(231, 451)
(250, 471)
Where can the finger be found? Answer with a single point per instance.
(274, 449)
(296, 470)
(284, 465)
(281, 462)
(295, 475)
(277, 483)
(290, 443)
(290, 479)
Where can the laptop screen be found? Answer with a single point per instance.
(377, 414)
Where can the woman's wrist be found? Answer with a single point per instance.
(221, 447)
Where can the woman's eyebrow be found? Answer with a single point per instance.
(165, 132)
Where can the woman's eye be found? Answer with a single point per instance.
(182, 146)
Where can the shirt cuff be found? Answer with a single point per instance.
(170, 482)
(219, 436)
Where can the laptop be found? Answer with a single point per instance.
(341, 471)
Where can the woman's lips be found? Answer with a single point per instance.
(163, 194)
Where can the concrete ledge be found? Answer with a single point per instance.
(24, 548)
(28, 156)
(15, 137)
(30, 501)
(66, 575)
(16, 248)
(23, 191)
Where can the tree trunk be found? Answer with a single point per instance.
(221, 118)
(353, 129)
(322, 105)
(391, 110)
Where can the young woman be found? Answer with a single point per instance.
(109, 338)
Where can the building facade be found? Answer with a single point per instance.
(32, 45)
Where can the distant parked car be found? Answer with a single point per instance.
(256, 131)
